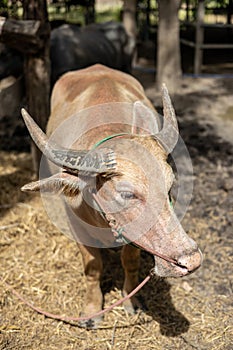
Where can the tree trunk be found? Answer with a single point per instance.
(130, 24)
(129, 17)
(37, 72)
(198, 56)
(168, 48)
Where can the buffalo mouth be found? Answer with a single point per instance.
(168, 269)
(165, 268)
(180, 270)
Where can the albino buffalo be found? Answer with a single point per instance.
(111, 154)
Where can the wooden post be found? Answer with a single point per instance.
(229, 11)
(198, 57)
(89, 12)
(187, 10)
(37, 72)
(24, 36)
(148, 10)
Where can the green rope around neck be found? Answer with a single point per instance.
(109, 138)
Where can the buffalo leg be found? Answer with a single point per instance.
(130, 258)
(93, 267)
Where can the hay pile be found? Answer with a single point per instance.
(190, 313)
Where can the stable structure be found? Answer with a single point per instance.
(200, 26)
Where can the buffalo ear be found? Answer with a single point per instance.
(62, 183)
(146, 121)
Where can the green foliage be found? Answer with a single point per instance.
(111, 14)
(216, 4)
(3, 3)
(77, 15)
(3, 6)
(209, 3)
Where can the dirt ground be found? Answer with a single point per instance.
(45, 266)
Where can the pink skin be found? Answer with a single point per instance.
(165, 234)
(138, 191)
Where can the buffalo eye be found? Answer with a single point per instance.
(127, 195)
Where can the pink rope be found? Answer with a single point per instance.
(72, 318)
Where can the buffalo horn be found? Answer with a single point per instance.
(169, 134)
(74, 161)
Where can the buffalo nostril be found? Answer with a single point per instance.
(192, 261)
